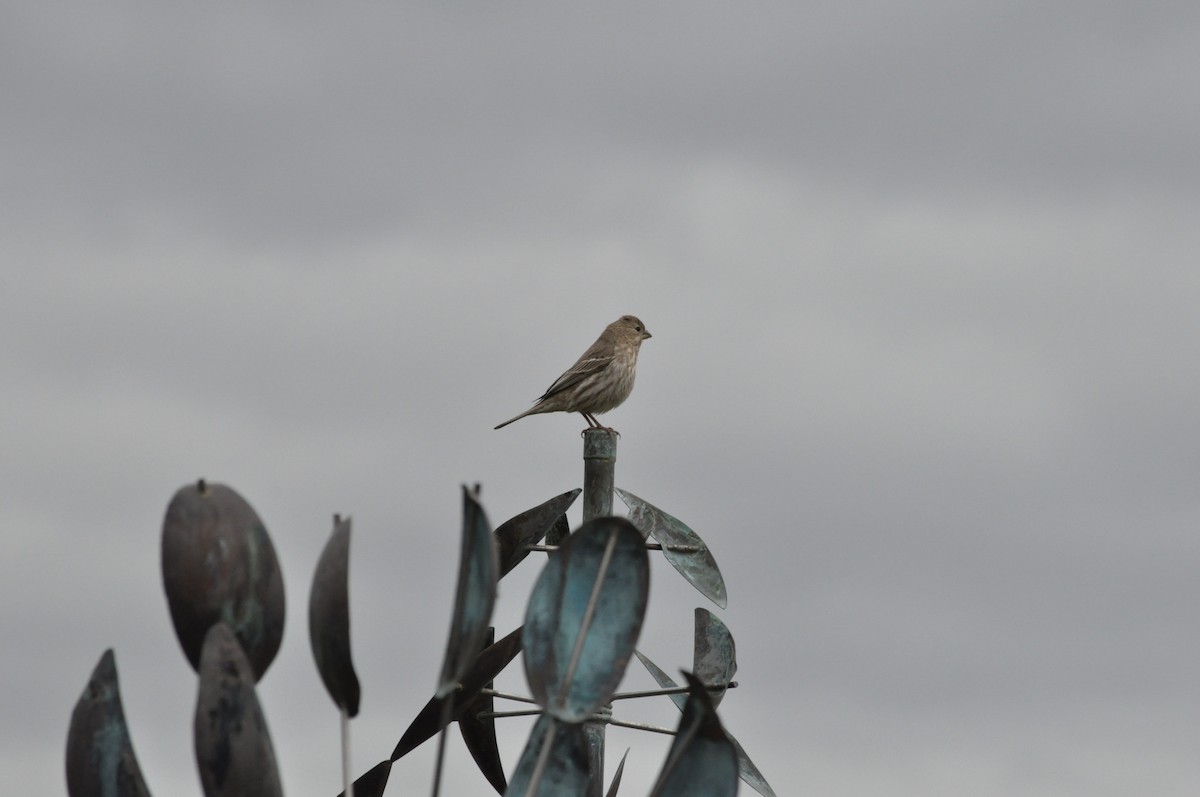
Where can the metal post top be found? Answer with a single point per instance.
(599, 444)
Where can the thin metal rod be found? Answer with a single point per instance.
(486, 715)
(589, 612)
(650, 546)
(507, 696)
(441, 748)
(641, 726)
(347, 778)
(676, 690)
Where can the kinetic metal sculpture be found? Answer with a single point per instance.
(582, 624)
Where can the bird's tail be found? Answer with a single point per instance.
(529, 411)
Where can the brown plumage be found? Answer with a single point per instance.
(599, 380)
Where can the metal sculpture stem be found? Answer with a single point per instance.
(441, 747)
(599, 469)
(347, 778)
(599, 479)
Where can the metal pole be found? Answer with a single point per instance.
(599, 468)
(599, 465)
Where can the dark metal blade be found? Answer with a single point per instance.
(616, 781)
(702, 761)
(528, 528)
(478, 572)
(487, 666)
(329, 620)
(372, 782)
(479, 734)
(747, 771)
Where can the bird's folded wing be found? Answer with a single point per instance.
(576, 373)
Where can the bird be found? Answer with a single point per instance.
(600, 380)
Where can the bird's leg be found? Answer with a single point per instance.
(595, 424)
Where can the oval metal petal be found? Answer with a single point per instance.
(219, 565)
(584, 618)
(329, 620)
(100, 759)
(233, 747)
(702, 761)
(715, 659)
(697, 566)
(475, 595)
(747, 771)
(554, 762)
(528, 528)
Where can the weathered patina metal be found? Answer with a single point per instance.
(584, 618)
(218, 565)
(695, 562)
(329, 620)
(702, 761)
(747, 771)
(714, 657)
(599, 472)
(554, 762)
(233, 746)
(514, 536)
(100, 758)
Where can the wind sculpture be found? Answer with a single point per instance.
(225, 594)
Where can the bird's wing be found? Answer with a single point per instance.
(593, 361)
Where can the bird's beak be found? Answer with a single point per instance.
(646, 334)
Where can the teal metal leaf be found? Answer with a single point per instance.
(233, 747)
(218, 565)
(747, 771)
(554, 762)
(584, 617)
(100, 759)
(329, 620)
(528, 528)
(714, 658)
(695, 563)
(475, 595)
(702, 761)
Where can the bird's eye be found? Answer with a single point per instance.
(637, 328)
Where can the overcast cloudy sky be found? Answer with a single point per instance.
(923, 285)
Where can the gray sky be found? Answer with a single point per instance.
(923, 288)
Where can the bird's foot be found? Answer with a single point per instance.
(599, 428)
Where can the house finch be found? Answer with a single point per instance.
(599, 380)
